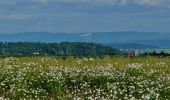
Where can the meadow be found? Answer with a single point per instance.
(82, 78)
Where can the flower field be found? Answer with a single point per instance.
(107, 78)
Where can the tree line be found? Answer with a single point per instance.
(59, 49)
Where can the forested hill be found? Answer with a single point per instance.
(60, 49)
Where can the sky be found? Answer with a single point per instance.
(84, 16)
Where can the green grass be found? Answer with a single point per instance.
(97, 78)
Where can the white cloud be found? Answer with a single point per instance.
(148, 2)
(88, 2)
(86, 35)
(159, 3)
(162, 3)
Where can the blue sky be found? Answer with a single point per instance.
(84, 15)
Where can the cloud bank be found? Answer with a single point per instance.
(162, 3)
(84, 15)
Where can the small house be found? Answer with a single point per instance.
(133, 52)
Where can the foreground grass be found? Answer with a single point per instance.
(85, 78)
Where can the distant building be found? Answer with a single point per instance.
(36, 53)
(133, 52)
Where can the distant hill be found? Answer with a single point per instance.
(162, 43)
(126, 39)
(40, 37)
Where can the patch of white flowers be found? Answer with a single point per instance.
(48, 79)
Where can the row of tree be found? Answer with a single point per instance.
(60, 49)
(157, 54)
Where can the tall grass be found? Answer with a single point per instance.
(85, 78)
